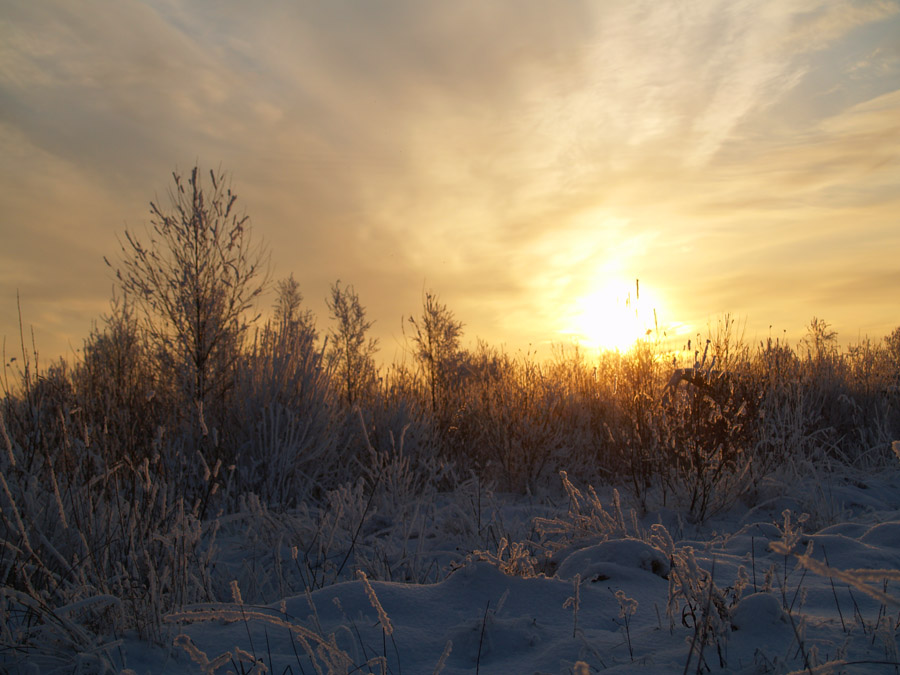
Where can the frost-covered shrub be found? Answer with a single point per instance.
(517, 423)
(585, 518)
(121, 401)
(708, 442)
(284, 426)
(91, 546)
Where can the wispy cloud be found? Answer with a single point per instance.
(509, 155)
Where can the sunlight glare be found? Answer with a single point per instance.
(613, 317)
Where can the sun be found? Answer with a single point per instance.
(613, 317)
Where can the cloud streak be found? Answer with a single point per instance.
(511, 155)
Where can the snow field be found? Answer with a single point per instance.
(725, 599)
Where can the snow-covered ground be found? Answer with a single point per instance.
(769, 587)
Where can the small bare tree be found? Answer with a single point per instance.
(436, 336)
(294, 324)
(350, 351)
(820, 341)
(195, 276)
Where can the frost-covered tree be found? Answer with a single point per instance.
(293, 323)
(350, 351)
(287, 304)
(436, 336)
(820, 340)
(195, 275)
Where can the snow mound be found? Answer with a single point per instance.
(616, 559)
(884, 535)
(758, 612)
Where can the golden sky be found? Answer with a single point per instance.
(526, 160)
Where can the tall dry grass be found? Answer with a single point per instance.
(116, 493)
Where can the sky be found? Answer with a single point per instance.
(527, 161)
